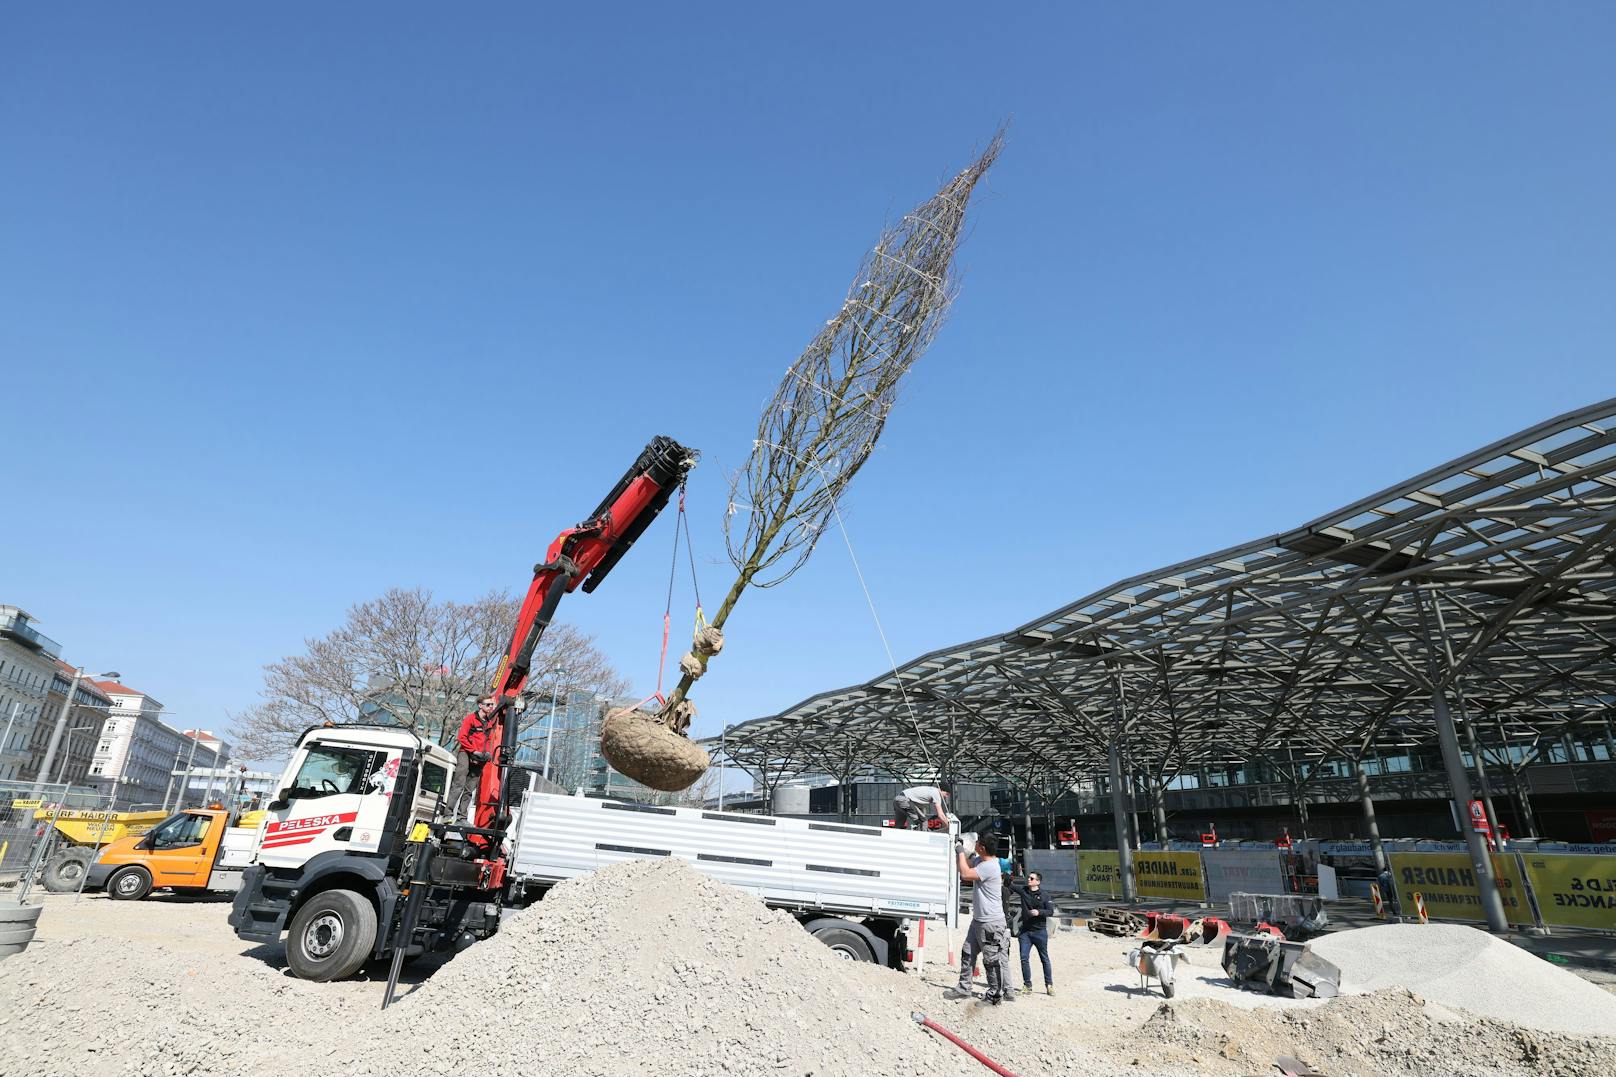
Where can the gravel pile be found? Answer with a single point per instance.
(1466, 968)
(650, 967)
(1390, 1033)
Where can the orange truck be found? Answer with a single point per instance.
(195, 851)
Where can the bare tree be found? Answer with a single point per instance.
(814, 436)
(407, 658)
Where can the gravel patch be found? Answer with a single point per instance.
(653, 968)
(1466, 968)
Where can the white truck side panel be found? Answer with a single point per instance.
(791, 862)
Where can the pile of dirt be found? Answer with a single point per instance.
(1389, 1033)
(650, 967)
(1466, 968)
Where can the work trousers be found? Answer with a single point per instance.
(1040, 939)
(990, 942)
(910, 816)
(466, 776)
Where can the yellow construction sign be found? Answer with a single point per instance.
(1447, 881)
(1572, 890)
(1169, 875)
(1097, 873)
(1160, 875)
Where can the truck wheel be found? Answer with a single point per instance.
(64, 870)
(845, 943)
(129, 884)
(331, 936)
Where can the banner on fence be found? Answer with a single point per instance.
(1574, 891)
(1169, 875)
(1448, 882)
(1246, 871)
(1057, 866)
(1097, 873)
(1156, 874)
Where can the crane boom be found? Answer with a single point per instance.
(580, 556)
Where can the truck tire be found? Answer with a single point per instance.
(331, 936)
(845, 943)
(64, 870)
(129, 884)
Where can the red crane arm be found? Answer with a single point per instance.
(579, 556)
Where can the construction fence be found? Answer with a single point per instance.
(50, 832)
(1556, 890)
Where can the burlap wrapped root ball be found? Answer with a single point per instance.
(641, 746)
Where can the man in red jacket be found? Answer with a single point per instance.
(471, 752)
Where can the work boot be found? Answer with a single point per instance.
(954, 992)
(1049, 989)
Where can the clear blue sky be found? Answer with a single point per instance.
(302, 302)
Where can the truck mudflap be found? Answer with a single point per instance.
(267, 897)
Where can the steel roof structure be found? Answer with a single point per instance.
(1491, 579)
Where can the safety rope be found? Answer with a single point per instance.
(914, 720)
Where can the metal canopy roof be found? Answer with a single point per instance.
(1492, 578)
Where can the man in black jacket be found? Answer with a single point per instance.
(1036, 909)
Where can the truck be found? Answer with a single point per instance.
(196, 851)
(324, 879)
(360, 857)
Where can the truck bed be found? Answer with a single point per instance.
(788, 863)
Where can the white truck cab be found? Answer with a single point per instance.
(335, 846)
(339, 789)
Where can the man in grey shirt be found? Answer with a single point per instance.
(916, 806)
(988, 937)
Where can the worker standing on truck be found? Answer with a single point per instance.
(914, 806)
(471, 752)
(988, 936)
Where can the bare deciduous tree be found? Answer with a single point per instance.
(420, 661)
(814, 436)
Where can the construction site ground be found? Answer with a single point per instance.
(652, 969)
(1590, 954)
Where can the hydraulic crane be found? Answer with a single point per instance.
(355, 859)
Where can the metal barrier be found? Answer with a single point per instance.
(48, 833)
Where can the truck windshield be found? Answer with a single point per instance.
(178, 831)
(330, 769)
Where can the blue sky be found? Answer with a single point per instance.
(300, 303)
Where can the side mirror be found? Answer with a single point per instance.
(281, 801)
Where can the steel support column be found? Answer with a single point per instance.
(1119, 814)
(1481, 772)
(1459, 783)
(1371, 824)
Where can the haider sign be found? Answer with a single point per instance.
(1165, 875)
(1448, 883)
(1169, 875)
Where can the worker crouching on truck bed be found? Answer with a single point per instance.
(988, 936)
(471, 752)
(917, 806)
